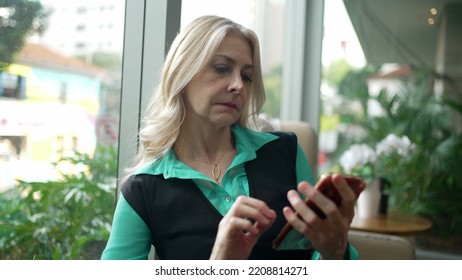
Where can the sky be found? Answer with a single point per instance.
(337, 28)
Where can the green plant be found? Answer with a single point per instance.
(432, 176)
(18, 19)
(66, 219)
(427, 181)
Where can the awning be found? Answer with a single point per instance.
(399, 31)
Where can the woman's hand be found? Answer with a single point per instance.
(241, 227)
(329, 236)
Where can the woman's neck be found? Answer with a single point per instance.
(204, 143)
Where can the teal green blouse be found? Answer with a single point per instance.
(234, 183)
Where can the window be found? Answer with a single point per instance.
(60, 146)
(52, 161)
(63, 93)
(80, 27)
(12, 85)
(80, 46)
(75, 143)
(81, 10)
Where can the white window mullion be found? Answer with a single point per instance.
(150, 26)
(302, 65)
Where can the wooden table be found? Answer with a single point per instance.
(392, 223)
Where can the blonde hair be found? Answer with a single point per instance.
(189, 53)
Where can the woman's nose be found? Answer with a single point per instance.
(236, 84)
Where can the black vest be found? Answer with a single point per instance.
(184, 223)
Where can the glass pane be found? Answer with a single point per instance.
(392, 82)
(266, 18)
(60, 81)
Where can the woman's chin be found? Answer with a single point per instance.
(226, 120)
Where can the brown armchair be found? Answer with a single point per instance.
(378, 246)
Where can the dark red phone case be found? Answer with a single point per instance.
(326, 187)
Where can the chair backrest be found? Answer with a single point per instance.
(307, 138)
(378, 246)
(306, 135)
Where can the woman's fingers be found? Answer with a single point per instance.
(244, 225)
(328, 233)
(241, 227)
(325, 204)
(299, 205)
(249, 216)
(252, 209)
(319, 202)
(346, 193)
(297, 222)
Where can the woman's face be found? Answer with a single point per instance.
(218, 94)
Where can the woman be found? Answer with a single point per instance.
(206, 186)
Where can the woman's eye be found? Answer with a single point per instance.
(246, 78)
(222, 69)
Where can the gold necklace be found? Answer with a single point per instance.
(216, 170)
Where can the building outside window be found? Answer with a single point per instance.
(57, 174)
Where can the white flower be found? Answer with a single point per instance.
(357, 156)
(363, 159)
(393, 143)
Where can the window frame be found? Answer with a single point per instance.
(149, 28)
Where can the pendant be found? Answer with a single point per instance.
(216, 172)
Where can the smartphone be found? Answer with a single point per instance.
(326, 187)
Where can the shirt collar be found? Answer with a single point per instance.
(247, 143)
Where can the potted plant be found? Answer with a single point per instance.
(427, 181)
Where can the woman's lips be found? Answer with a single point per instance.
(230, 105)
